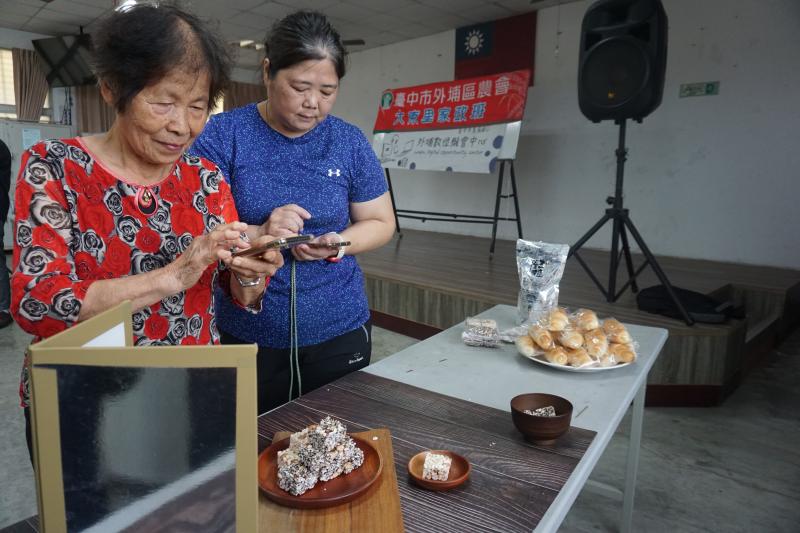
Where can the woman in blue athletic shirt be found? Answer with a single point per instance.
(293, 168)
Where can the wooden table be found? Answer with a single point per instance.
(512, 483)
(491, 377)
(514, 486)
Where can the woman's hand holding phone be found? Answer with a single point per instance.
(263, 258)
(322, 247)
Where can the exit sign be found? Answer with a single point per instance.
(703, 88)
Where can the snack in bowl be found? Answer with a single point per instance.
(436, 467)
(319, 452)
(427, 469)
(542, 430)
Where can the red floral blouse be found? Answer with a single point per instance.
(77, 223)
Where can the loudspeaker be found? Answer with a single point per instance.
(623, 57)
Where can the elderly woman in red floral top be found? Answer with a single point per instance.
(127, 215)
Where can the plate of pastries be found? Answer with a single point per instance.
(578, 342)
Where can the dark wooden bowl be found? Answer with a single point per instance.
(459, 471)
(541, 429)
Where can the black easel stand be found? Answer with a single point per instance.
(621, 220)
(470, 219)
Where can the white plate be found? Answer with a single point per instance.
(589, 368)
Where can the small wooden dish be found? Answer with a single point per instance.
(459, 471)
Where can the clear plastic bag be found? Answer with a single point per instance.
(540, 266)
(481, 332)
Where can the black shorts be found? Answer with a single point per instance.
(319, 365)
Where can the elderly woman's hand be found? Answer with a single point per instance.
(285, 221)
(257, 266)
(206, 250)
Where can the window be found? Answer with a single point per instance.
(6, 84)
(7, 103)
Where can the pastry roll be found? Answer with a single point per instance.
(578, 357)
(569, 338)
(616, 331)
(558, 319)
(557, 355)
(525, 346)
(596, 343)
(586, 319)
(607, 359)
(542, 337)
(623, 353)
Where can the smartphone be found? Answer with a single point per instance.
(331, 245)
(279, 244)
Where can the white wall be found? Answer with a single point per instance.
(714, 177)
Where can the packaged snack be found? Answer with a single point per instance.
(481, 332)
(525, 346)
(540, 266)
(578, 357)
(622, 353)
(596, 343)
(569, 338)
(557, 355)
(577, 339)
(557, 319)
(542, 337)
(585, 319)
(616, 331)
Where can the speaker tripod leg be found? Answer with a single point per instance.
(588, 235)
(614, 264)
(577, 246)
(626, 250)
(660, 273)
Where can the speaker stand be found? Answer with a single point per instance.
(622, 224)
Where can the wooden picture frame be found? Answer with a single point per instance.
(105, 341)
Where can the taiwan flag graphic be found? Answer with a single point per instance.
(498, 46)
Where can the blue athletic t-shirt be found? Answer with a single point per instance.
(322, 171)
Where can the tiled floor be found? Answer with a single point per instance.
(731, 468)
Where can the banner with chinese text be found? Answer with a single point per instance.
(493, 99)
(456, 150)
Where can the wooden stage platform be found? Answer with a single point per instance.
(425, 281)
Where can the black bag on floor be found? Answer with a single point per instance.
(701, 308)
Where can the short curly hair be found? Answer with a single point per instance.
(139, 46)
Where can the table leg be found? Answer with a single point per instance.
(633, 459)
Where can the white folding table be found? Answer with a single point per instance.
(492, 376)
